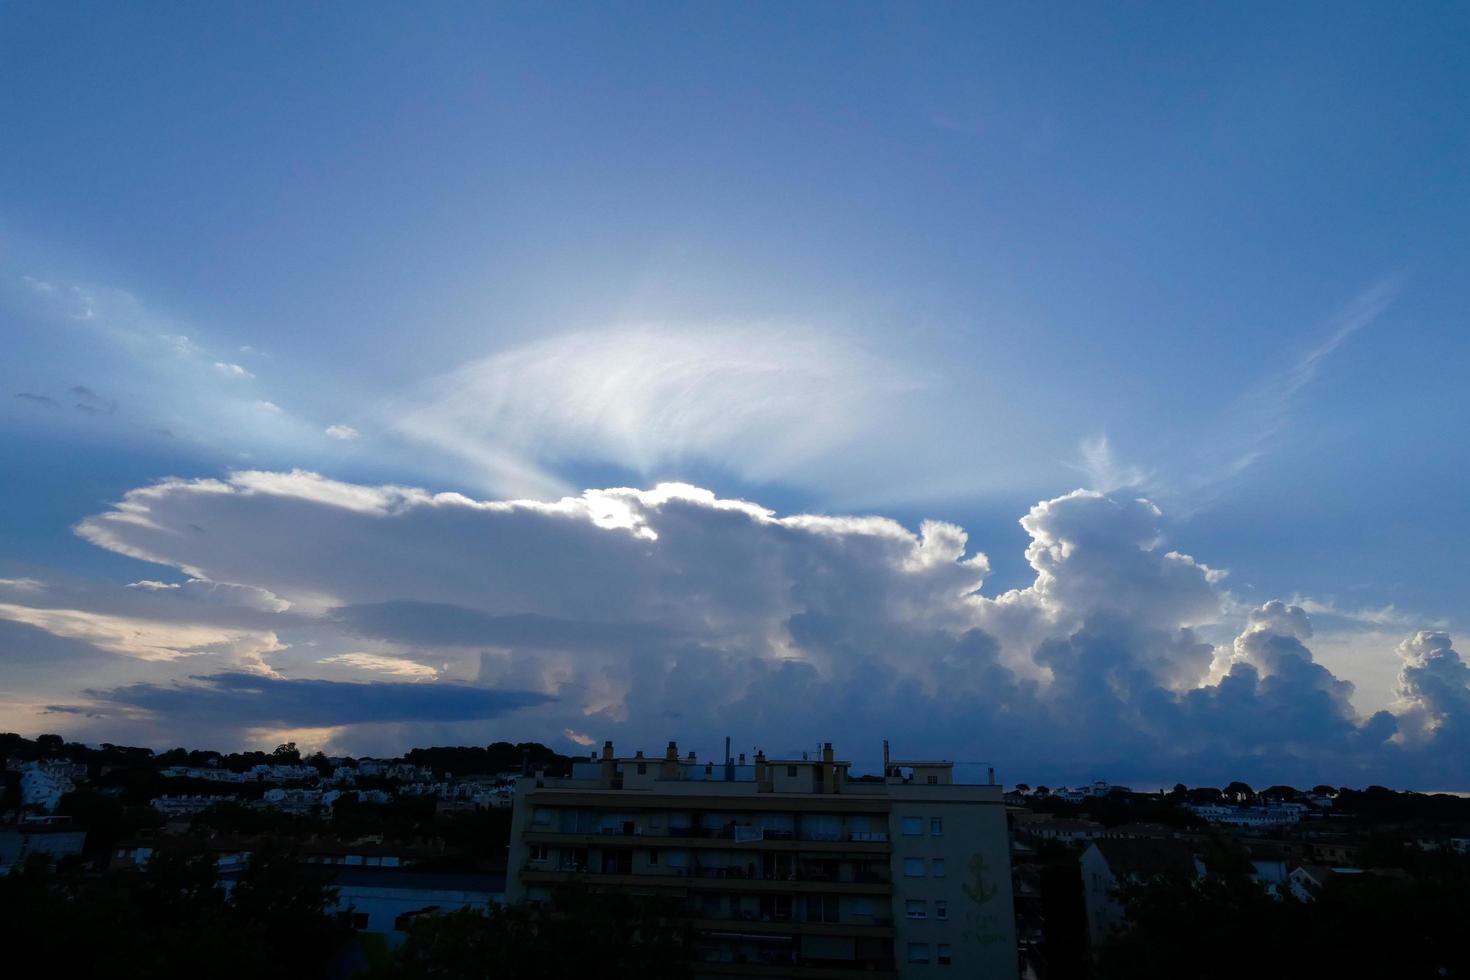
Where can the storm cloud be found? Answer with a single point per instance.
(673, 613)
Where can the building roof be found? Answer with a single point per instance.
(1146, 856)
(1152, 830)
(1063, 823)
(416, 880)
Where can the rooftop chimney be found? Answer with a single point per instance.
(608, 767)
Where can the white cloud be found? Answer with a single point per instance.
(148, 639)
(232, 370)
(268, 407)
(1105, 472)
(645, 611)
(378, 664)
(344, 432)
(769, 402)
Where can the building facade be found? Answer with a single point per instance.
(787, 867)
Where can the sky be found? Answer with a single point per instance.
(1075, 389)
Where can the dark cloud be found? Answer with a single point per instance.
(92, 403)
(444, 624)
(38, 399)
(669, 613)
(240, 699)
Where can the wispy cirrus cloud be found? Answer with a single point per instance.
(763, 401)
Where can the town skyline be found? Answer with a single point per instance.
(1073, 392)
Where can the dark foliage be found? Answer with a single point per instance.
(1359, 926)
(172, 921)
(578, 934)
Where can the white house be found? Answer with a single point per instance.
(43, 784)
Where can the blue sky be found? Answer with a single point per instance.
(931, 263)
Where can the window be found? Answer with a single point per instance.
(862, 906)
(918, 952)
(643, 769)
(775, 908)
(936, 827)
(540, 852)
(359, 920)
(821, 908)
(912, 826)
(933, 780)
(941, 909)
(916, 908)
(541, 817)
(939, 867)
(913, 867)
(791, 770)
(943, 954)
(653, 855)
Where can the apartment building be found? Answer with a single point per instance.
(787, 867)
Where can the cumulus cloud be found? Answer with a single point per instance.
(1434, 686)
(646, 614)
(343, 432)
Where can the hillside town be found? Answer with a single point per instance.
(846, 876)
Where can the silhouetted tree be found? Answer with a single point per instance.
(578, 933)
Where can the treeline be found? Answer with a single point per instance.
(470, 760)
(1401, 923)
(173, 921)
(461, 760)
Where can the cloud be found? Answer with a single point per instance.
(232, 370)
(146, 639)
(648, 613)
(216, 593)
(383, 665)
(344, 432)
(1105, 472)
(38, 399)
(1263, 411)
(442, 624)
(92, 403)
(1434, 687)
(252, 700)
(768, 402)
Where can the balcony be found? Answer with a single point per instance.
(754, 839)
(880, 927)
(876, 969)
(707, 879)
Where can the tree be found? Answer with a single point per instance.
(1022, 788)
(286, 753)
(1239, 792)
(579, 933)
